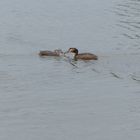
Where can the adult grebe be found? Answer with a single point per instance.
(82, 56)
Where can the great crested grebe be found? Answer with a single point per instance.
(51, 53)
(82, 56)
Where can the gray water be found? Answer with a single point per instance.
(50, 99)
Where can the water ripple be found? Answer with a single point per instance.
(128, 24)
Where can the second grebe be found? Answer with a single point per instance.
(51, 53)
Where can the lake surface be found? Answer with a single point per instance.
(48, 98)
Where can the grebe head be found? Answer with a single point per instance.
(73, 50)
(71, 53)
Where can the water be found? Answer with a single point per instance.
(48, 98)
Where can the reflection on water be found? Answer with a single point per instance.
(128, 15)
